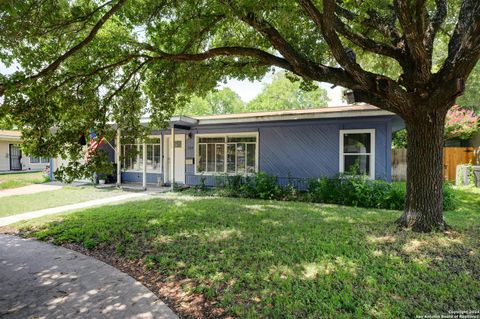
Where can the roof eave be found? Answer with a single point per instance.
(293, 117)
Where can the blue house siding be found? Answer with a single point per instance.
(302, 152)
(136, 177)
(301, 149)
(297, 149)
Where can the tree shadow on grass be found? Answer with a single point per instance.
(276, 259)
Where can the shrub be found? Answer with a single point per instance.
(266, 186)
(449, 198)
(350, 190)
(362, 192)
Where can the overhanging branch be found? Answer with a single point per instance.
(55, 64)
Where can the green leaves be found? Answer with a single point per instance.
(284, 94)
(150, 57)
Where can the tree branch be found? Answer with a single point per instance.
(463, 48)
(55, 64)
(465, 34)
(420, 59)
(436, 22)
(384, 25)
(267, 58)
(124, 83)
(366, 43)
(326, 24)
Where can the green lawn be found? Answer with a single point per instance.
(257, 259)
(21, 179)
(12, 205)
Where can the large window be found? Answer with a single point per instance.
(357, 152)
(132, 155)
(230, 154)
(39, 160)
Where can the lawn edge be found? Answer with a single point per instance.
(167, 289)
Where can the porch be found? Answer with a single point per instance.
(159, 163)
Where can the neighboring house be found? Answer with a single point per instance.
(289, 144)
(11, 156)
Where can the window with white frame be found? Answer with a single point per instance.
(132, 155)
(357, 152)
(39, 160)
(226, 154)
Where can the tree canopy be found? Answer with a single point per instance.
(285, 94)
(471, 98)
(86, 62)
(223, 101)
(280, 94)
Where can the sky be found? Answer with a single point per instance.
(247, 90)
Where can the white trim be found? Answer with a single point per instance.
(140, 155)
(291, 117)
(225, 166)
(285, 116)
(341, 154)
(144, 165)
(39, 160)
(171, 170)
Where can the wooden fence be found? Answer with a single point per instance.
(452, 156)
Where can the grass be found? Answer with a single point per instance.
(13, 205)
(15, 180)
(257, 259)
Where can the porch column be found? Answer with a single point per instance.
(163, 158)
(118, 153)
(144, 166)
(173, 156)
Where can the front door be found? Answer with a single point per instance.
(179, 167)
(15, 157)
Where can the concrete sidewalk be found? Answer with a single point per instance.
(55, 210)
(29, 189)
(39, 280)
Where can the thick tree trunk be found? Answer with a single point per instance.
(424, 199)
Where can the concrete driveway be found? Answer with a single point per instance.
(40, 280)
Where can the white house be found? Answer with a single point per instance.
(12, 157)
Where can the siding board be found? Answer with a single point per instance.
(301, 149)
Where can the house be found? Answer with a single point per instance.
(12, 158)
(293, 144)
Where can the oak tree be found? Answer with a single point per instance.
(84, 62)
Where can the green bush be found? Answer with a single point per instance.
(349, 190)
(266, 186)
(355, 191)
(363, 192)
(449, 198)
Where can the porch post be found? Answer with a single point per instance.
(118, 152)
(144, 167)
(173, 156)
(163, 158)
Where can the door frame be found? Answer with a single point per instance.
(10, 157)
(179, 160)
